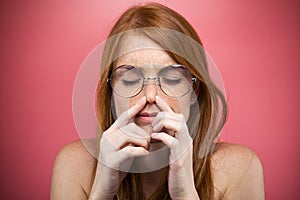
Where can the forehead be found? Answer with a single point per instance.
(138, 50)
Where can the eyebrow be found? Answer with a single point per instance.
(142, 69)
(144, 66)
(125, 66)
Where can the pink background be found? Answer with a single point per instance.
(254, 43)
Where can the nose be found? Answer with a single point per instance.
(150, 89)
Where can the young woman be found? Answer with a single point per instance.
(159, 115)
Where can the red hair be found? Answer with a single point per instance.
(209, 96)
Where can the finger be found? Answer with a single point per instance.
(129, 152)
(167, 120)
(136, 134)
(168, 140)
(166, 115)
(121, 158)
(163, 105)
(120, 140)
(168, 124)
(126, 156)
(134, 130)
(177, 147)
(178, 131)
(160, 116)
(124, 118)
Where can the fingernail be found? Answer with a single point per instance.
(142, 99)
(157, 98)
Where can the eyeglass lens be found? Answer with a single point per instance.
(128, 81)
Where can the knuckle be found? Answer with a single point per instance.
(147, 141)
(163, 114)
(181, 117)
(126, 149)
(131, 125)
(174, 143)
(105, 133)
(179, 127)
(165, 122)
(125, 131)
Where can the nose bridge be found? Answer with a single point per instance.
(150, 79)
(151, 87)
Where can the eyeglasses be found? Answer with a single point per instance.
(174, 80)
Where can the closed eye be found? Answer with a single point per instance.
(171, 81)
(130, 82)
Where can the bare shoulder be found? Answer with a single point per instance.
(75, 152)
(237, 172)
(232, 155)
(72, 172)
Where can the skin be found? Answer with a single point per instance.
(150, 62)
(236, 170)
(131, 135)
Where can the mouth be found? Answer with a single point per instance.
(146, 117)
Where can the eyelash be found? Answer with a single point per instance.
(171, 81)
(126, 82)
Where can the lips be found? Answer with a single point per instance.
(146, 114)
(146, 117)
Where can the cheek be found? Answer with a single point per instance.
(123, 104)
(185, 107)
(120, 104)
(181, 105)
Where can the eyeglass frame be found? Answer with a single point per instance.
(193, 79)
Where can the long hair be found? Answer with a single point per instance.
(211, 101)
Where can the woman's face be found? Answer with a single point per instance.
(150, 62)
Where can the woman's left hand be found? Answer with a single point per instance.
(171, 128)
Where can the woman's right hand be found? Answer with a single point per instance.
(119, 145)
